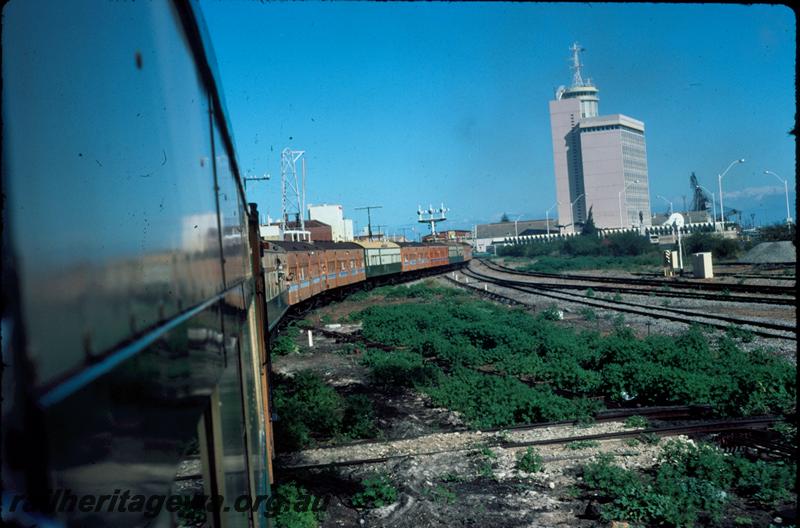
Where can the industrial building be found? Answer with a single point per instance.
(488, 234)
(450, 235)
(600, 162)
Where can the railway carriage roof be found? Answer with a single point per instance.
(367, 244)
(290, 245)
(326, 244)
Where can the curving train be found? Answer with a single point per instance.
(138, 297)
(298, 271)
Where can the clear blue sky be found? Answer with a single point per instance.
(400, 104)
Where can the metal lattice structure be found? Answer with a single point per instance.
(293, 194)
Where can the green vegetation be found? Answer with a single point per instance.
(283, 345)
(637, 422)
(377, 491)
(588, 314)
(582, 444)
(687, 479)
(530, 461)
(721, 248)
(742, 334)
(778, 232)
(440, 494)
(498, 366)
(292, 507)
(308, 408)
(619, 251)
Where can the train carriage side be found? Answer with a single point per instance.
(381, 258)
(130, 324)
(275, 264)
(346, 262)
(439, 255)
(301, 262)
(411, 256)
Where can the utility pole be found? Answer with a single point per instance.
(369, 208)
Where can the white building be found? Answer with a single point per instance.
(600, 162)
(333, 215)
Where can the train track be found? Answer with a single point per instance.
(661, 292)
(702, 428)
(673, 314)
(673, 284)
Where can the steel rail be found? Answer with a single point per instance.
(708, 427)
(633, 308)
(741, 288)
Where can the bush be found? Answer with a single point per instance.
(530, 461)
(307, 408)
(283, 345)
(399, 368)
(293, 507)
(686, 480)
(377, 491)
(721, 248)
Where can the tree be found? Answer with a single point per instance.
(699, 197)
(505, 218)
(588, 226)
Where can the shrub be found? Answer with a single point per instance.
(637, 422)
(292, 506)
(283, 345)
(307, 408)
(721, 248)
(582, 444)
(530, 461)
(359, 417)
(399, 368)
(377, 491)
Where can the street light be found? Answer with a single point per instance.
(713, 204)
(572, 212)
(786, 190)
(547, 216)
(619, 199)
(719, 179)
(516, 233)
(670, 203)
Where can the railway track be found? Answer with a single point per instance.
(486, 438)
(661, 292)
(673, 284)
(762, 328)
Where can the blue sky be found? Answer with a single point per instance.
(408, 103)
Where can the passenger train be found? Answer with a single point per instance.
(138, 297)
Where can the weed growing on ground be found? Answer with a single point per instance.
(530, 461)
(292, 507)
(636, 422)
(307, 408)
(377, 491)
(582, 444)
(686, 480)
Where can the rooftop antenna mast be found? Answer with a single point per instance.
(369, 217)
(432, 217)
(576, 49)
(293, 194)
